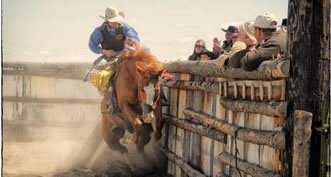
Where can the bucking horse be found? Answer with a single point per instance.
(137, 87)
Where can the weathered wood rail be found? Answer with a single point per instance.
(266, 71)
(222, 126)
(47, 69)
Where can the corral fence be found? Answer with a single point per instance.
(219, 122)
(228, 122)
(39, 94)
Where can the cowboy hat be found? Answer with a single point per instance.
(284, 22)
(266, 21)
(230, 29)
(209, 53)
(112, 15)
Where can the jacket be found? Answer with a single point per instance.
(272, 45)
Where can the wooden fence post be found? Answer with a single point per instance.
(301, 143)
(308, 49)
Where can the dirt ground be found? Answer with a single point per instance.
(48, 151)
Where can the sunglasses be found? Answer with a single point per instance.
(235, 36)
(199, 46)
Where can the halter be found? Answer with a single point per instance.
(158, 93)
(139, 96)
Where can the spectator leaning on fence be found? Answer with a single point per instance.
(246, 35)
(198, 47)
(227, 44)
(222, 60)
(271, 42)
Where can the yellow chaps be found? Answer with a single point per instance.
(100, 80)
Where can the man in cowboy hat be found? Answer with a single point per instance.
(112, 35)
(227, 44)
(270, 42)
(110, 39)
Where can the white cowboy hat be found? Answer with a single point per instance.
(112, 15)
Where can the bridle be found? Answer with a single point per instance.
(139, 95)
(170, 76)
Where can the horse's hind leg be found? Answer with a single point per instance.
(117, 134)
(112, 136)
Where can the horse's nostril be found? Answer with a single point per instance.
(147, 108)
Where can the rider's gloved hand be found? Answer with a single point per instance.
(108, 53)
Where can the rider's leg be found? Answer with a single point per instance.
(112, 92)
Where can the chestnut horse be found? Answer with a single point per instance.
(138, 91)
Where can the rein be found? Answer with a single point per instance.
(157, 99)
(139, 96)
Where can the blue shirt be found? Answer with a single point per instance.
(96, 37)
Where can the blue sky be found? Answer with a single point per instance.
(59, 30)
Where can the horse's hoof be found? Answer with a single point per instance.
(128, 162)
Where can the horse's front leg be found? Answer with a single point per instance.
(132, 117)
(159, 121)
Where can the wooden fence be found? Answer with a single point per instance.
(46, 93)
(220, 122)
(230, 122)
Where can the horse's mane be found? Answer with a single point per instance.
(146, 61)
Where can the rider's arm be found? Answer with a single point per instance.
(95, 39)
(130, 32)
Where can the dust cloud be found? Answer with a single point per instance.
(72, 150)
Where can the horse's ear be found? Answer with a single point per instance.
(158, 73)
(161, 72)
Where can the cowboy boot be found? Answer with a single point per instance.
(108, 105)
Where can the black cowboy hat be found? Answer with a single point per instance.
(210, 54)
(231, 29)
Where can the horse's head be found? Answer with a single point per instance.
(149, 88)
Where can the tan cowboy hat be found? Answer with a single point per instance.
(112, 15)
(266, 21)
